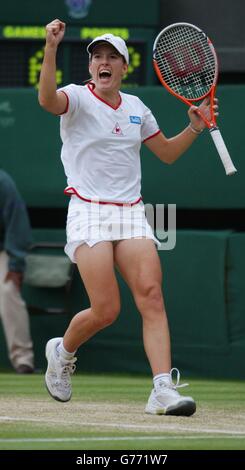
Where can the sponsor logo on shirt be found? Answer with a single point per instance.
(135, 119)
(117, 129)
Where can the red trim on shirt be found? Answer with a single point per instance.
(91, 87)
(67, 102)
(153, 135)
(70, 191)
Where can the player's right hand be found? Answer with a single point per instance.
(55, 32)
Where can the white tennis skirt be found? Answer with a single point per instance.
(92, 223)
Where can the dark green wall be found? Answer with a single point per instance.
(100, 12)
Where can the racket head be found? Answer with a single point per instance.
(185, 62)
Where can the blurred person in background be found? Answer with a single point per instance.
(15, 240)
(102, 130)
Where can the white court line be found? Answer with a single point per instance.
(122, 438)
(159, 427)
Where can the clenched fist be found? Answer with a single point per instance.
(55, 32)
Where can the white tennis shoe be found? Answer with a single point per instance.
(167, 401)
(59, 371)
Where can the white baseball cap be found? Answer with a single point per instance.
(115, 41)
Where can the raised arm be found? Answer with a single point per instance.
(51, 100)
(169, 150)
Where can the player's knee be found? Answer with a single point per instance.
(109, 317)
(149, 297)
(107, 313)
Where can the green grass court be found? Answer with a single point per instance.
(107, 412)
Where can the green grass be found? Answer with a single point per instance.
(107, 412)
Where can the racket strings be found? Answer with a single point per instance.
(186, 61)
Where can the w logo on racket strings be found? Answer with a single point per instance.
(183, 63)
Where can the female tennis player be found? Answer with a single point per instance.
(102, 130)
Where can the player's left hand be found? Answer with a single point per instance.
(204, 108)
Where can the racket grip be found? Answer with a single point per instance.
(222, 151)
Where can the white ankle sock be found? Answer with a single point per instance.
(64, 353)
(161, 379)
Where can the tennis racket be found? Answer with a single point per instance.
(186, 64)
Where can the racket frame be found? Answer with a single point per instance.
(211, 92)
(211, 124)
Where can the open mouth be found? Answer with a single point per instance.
(104, 74)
